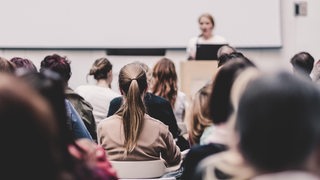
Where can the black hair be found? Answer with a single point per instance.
(219, 101)
(303, 62)
(278, 121)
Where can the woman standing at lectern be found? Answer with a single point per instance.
(206, 24)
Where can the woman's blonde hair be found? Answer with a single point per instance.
(165, 80)
(133, 84)
(198, 118)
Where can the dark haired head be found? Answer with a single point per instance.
(50, 85)
(302, 62)
(24, 109)
(219, 101)
(58, 64)
(278, 121)
(24, 63)
(232, 56)
(225, 49)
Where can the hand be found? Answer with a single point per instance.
(93, 154)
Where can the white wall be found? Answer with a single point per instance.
(137, 24)
(298, 34)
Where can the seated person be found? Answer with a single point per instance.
(131, 134)
(302, 64)
(44, 151)
(50, 85)
(274, 149)
(23, 63)
(158, 108)
(62, 66)
(225, 49)
(286, 153)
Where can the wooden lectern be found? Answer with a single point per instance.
(195, 74)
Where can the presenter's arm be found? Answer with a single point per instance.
(191, 49)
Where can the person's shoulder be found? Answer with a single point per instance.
(193, 39)
(81, 87)
(114, 119)
(72, 95)
(116, 100)
(113, 93)
(152, 98)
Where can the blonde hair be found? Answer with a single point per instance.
(133, 84)
(198, 118)
(165, 80)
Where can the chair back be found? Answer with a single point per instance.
(139, 169)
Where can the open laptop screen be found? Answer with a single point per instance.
(207, 51)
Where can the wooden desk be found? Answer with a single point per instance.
(195, 74)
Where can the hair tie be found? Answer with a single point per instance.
(133, 79)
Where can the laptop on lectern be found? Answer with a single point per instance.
(207, 51)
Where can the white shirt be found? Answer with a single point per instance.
(220, 134)
(192, 45)
(180, 106)
(99, 97)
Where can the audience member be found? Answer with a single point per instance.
(165, 84)
(131, 134)
(232, 56)
(100, 94)
(316, 72)
(219, 101)
(287, 152)
(229, 164)
(158, 108)
(50, 86)
(206, 25)
(43, 154)
(30, 115)
(302, 64)
(216, 138)
(61, 65)
(198, 114)
(225, 49)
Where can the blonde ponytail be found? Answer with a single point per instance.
(133, 82)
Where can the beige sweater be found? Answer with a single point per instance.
(155, 140)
